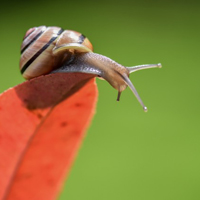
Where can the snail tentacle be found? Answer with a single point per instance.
(140, 67)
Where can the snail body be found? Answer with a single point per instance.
(53, 50)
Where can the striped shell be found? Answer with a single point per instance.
(46, 48)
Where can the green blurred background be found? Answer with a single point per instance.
(128, 154)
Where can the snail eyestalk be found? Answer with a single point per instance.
(131, 86)
(140, 67)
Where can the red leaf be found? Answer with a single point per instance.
(42, 123)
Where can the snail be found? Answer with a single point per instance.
(51, 49)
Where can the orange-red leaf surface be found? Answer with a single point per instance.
(42, 123)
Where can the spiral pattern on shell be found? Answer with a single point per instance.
(37, 57)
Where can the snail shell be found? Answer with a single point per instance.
(38, 44)
(51, 50)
